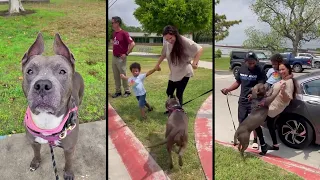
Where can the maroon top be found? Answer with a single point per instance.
(121, 41)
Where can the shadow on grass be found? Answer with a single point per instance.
(22, 13)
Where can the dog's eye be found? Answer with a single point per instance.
(30, 72)
(62, 72)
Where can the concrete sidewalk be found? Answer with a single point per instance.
(116, 168)
(89, 159)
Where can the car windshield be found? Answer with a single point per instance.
(261, 56)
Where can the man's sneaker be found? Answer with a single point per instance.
(126, 94)
(115, 95)
(264, 149)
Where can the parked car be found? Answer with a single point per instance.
(237, 59)
(299, 125)
(298, 64)
(315, 60)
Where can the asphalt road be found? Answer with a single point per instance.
(224, 129)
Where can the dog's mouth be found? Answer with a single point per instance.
(43, 107)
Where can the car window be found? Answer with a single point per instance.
(309, 55)
(261, 56)
(312, 87)
(238, 55)
(302, 54)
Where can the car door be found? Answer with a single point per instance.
(311, 97)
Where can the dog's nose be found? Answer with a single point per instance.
(43, 85)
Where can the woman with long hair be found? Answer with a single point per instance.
(282, 100)
(179, 52)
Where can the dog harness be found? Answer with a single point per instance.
(51, 135)
(175, 108)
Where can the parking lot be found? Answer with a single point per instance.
(224, 130)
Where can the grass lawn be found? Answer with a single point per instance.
(85, 37)
(152, 130)
(222, 63)
(206, 55)
(229, 165)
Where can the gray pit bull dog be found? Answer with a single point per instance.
(261, 99)
(54, 91)
(176, 129)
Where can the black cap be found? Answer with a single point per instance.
(250, 55)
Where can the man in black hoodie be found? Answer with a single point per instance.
(248, 76)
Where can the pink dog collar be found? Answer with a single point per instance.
(51, 134)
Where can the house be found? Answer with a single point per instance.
(149, 39)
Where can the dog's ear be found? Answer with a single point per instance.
(36, 48)
(61, 49)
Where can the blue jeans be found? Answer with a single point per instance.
(142, 100)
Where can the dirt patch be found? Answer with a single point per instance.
(22, 13)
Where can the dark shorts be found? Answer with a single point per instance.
(142, 100)
(243, 111)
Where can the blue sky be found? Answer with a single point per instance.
(240, 9)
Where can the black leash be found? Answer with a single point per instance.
(197, 97)
(54, 163)
(230, 108)
(234, 126)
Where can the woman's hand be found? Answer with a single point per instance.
(194, 66)
(157, 68)
(283, 88)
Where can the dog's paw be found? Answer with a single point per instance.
(68, 176)
(35, 163)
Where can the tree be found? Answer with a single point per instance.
(15, 6)
(124, 27)
(188, 16)
(297, 20)
(271, 41)
(206, 33)
(221, 25)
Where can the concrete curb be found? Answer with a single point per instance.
(135, 157)
(306, 172)
(203, 136)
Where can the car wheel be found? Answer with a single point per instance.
(317, 65)
(295, 132)
(297, 68)
(235, 70)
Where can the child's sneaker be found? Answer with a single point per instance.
(150, 109)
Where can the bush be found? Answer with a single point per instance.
(217, 53)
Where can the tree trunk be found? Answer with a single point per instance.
(295, 44)
(15, 6)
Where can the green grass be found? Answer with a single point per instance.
(152, 130)
(222, 63)
(229, 165)
(85, 37)
(206, 55)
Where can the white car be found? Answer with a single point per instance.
(315, 60)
